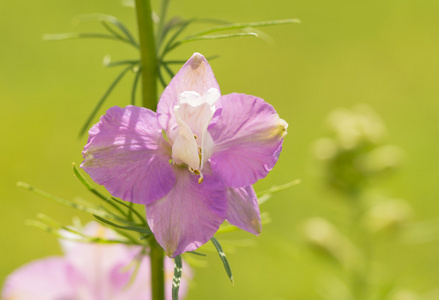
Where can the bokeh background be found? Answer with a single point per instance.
(380, 52)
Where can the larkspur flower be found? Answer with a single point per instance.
(193, 162)
(89, 272)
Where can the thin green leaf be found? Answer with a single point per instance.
(75, 35)
(244, 25)
(208, 37)
(98, 240)
(108, 63)
(59, 227)
(112, 20)
(102, 100)
(177, 277)
(278, 188)
(227, 227)
(136, 262)
(176, 21)
(110, 200)
(223, 257)
(49, 221)
(169, 71)
(197, 253)
(181, 62)
(141, 230)
(80, 35)
(110, 30)
(83, 238)
(134, 89)
(161, 79)
(174, 62)
(169, 45)
(125, 234)
(68, 203)
(171, 24)
(218, 36)
(265, 195)
(94, 191)
(212, 57)
(231, 245)
(161, 28)
(42, 226)
(132, 209)
(212, 21)
(197, 262)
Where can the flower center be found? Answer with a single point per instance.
(193, 144)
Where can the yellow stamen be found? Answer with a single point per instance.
(197, 172)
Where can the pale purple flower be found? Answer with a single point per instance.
(89, 272)
(193, 162)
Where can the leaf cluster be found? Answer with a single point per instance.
(169, 36)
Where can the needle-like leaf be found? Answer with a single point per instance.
(223, 257)
(143, 230)
(102, 100)
(110, 19)
(244, 25)
(74, 205)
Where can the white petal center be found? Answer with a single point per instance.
(192, 142)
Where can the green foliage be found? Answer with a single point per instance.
(118, 31)
(121, 213)
(353, 157)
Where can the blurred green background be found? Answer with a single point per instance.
(380, 52)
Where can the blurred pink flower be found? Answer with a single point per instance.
(89, 272)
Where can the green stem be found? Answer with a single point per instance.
(149, 71)
(361, 274)
(147, 54)
(157, 271)
(163, 11)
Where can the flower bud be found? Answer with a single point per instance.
(356, 126)
(382, 159)
(388, 214)
(405, 294)
(323, 236)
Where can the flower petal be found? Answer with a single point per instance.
(44, 279)
(184, 148)
(126, 153)
(189, 215)
(101, 265)
(243, 209)
(195, 76)
(248, 139)
(90, 271)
